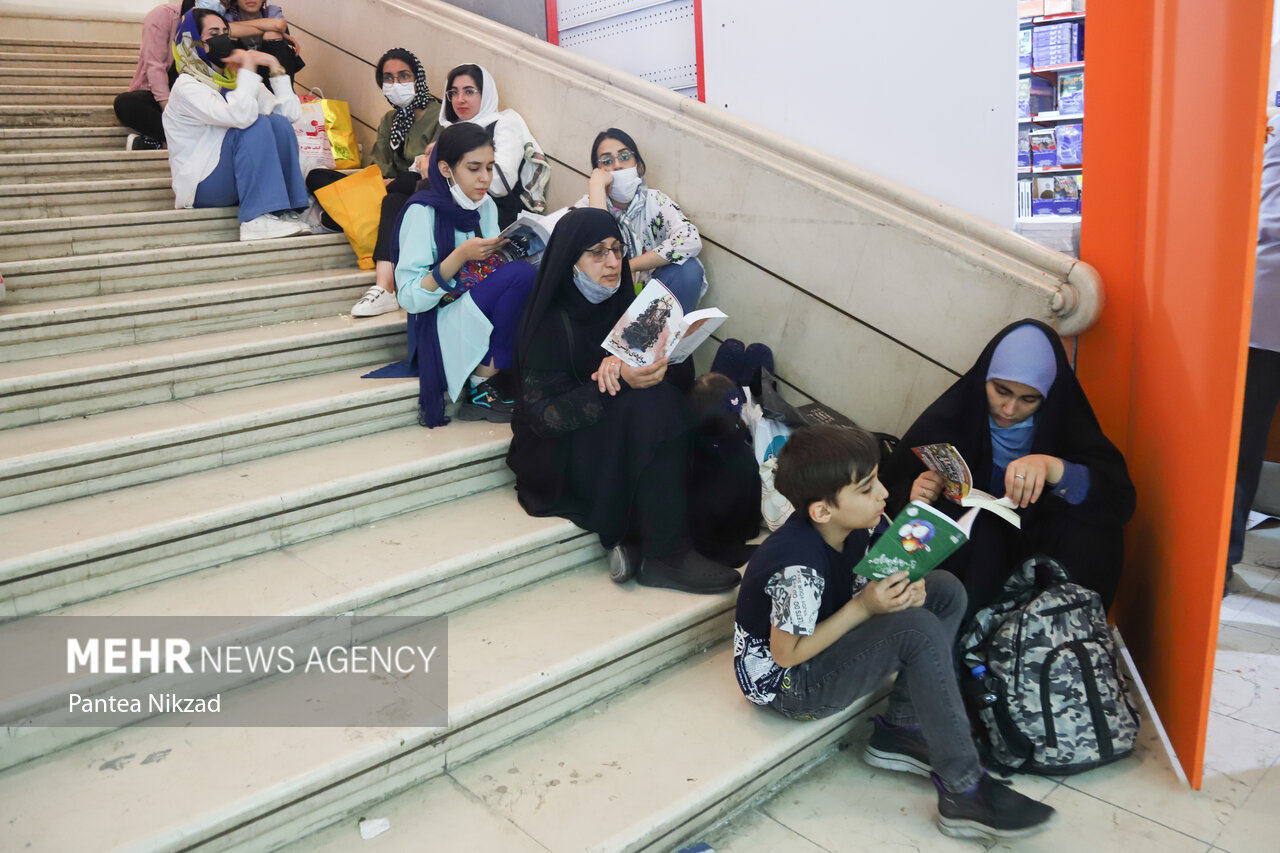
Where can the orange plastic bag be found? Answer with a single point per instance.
(355, 203)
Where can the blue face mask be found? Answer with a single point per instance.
(211, 5)
(590, 290)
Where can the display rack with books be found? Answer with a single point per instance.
(1050, 177)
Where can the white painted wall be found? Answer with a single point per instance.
(920, 91)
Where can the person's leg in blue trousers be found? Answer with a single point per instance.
(684, 280)
(1261, 395)
(501, 298)
(256, 171)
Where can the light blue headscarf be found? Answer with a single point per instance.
(1026, 356)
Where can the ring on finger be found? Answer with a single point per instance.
(1019, 476)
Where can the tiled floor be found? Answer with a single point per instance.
(1136, 805)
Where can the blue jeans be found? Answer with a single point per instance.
(257, 170)
(683, 279)
(916, 644)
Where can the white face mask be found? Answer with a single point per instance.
(624, 186)
(399, 94)
(461, 198)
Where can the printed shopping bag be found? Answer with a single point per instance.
(355, 203)
(314, 150)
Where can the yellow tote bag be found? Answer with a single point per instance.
(342, 135)
(355, 203)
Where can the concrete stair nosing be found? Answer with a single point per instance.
(9, 44)
(426, 587)
(149, 550)
(228, 308)
(386, 761)
(51, 388)
(78, 468)
(137, 231)
(80, 276)
(68, 115)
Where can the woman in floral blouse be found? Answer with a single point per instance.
(661, 242)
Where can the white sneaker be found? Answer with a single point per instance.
(374, 302)
(267, 227)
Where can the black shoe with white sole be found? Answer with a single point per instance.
(990, 810)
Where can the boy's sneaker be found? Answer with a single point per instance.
(900, 748)
(483, 403)
(376, 300)
(990, 810)
(690, 572)
(138, 142)
(624, 562)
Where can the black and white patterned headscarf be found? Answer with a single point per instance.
(421, 95)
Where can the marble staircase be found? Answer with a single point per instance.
(188, 434)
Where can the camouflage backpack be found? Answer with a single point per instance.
(1052, 700)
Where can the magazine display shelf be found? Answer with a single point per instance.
(1058, 230)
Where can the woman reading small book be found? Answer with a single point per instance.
(595, 440)
(1024, 425)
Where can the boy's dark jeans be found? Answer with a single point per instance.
(915, 643)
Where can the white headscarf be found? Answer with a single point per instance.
(488, 112)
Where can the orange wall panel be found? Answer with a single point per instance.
(1175, 89)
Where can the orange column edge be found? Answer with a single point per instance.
(1174, 99)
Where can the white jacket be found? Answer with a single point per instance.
(197, 117)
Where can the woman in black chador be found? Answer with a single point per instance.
(1022, 422)
(596, 441)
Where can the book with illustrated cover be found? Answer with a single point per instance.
(916, 542)
(528, 236)
(957, 481)
(654, 326)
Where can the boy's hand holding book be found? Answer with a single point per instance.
(891, 594)
(927, 487)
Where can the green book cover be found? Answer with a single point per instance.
(917, 541)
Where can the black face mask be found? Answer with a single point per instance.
(218, 48)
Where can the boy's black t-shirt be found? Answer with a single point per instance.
(794, 581)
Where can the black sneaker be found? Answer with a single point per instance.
(990, 810)
(139, 142)
(691, 572)
(897, 748)
(484, 403)
(624, 562)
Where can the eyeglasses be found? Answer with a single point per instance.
(624, 156)
(402, 77)
(600, 253)
(470, 92)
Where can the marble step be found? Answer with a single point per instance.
(35, 139)
(78, 276)
(14, 75)
(397, 566)
(35, 201)
(35, 114)
(88, 547)
(46, 463)
(516, 663)
(35, 330)
(63, 47)
(647, 769)
(48, 389)
(56, 96)
(81, 65)
(71, 166)
(60, 237)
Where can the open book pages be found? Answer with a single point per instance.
(654, 327)
(1003, 507)
(917, 541)
(528, 236)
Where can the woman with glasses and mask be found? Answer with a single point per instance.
(661, 242)
(594, 440)
(520, 169)
(231, 138)
(405, 135)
